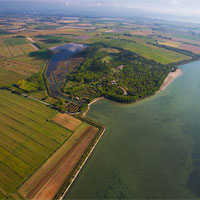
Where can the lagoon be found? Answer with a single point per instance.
(56, 76)
(151, 149)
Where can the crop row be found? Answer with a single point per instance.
(27, 138)
(73, 108)
(16, 50)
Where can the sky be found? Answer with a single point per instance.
(175, 7)
(185, 8)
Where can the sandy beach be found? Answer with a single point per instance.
(95, 100)
(171, 76)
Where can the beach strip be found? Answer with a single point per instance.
(171, 76)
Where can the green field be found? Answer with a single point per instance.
(8, 77)
(27, 139)
(139, 46)
(157, 54)
(11, 47)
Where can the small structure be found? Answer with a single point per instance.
(173, 69)
(120, 67)
(114, 82)
(124, 91)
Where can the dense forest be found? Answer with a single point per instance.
(114, 73)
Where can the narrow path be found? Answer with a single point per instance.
(35, 99)
(124, 91)
(32, 43)
(30, 39)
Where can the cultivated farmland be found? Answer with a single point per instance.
(9, 77)
(148, 51)
(48, 179)
(19, 67)
(67, 121)
(180, 45)
(14, 47)
(27, 139)
(36, 153)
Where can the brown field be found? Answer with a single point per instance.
(68, 21)
(142, 33)
(16, 50)
(180, 45)
(58, 167)
(182, 40)
(62, 30)
(51, 187)
(34, 47)
(19, 67)
(189, 47)
(67, 121)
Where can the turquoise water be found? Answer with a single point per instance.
(151, 149)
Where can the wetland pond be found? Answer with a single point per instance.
(58, 66)
(150, 150)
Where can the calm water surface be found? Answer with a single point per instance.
(55, 76)
(151, 149)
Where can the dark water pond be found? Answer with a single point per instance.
(62, 53)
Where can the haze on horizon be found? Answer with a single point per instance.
(180, 8)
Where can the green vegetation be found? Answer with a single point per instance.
(148, 51)
(14, 41)
(123, 62)
(127, 77)
(28, 138)
(45, 41)
(37, 58)
(24, 73)
(41, 54)
(32, 84)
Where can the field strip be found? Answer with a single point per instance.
(14, 131)
(51, 187)
(28, 138)
(27, 106)
(30, 39)
(34, 47)
(32, 124)
(33, 180)
(32, 129)
(21, 168)
(2, 192)
(67, 121)
(21, 140)
(12, 150)
(45, 142)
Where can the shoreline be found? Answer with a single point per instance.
(89, 105)
(83, 164)
(169, 79)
